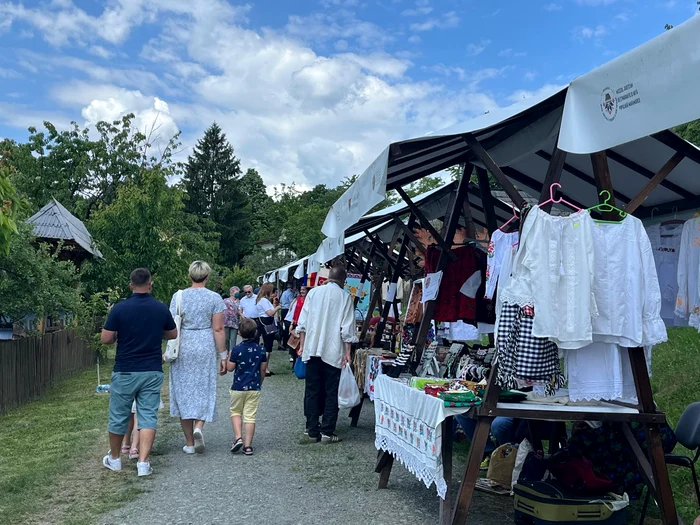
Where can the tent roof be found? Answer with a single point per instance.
(54, 221)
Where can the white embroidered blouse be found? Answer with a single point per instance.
(499, 245)
(626, 286)
(553, 272)
(688, 300)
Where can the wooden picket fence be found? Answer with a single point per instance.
(31, 365)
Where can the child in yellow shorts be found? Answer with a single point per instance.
(248, 361)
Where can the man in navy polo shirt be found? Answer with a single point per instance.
(138, 325)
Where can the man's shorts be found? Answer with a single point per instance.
(245, 403)
(125, 387)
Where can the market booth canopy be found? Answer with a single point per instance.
(650, 89)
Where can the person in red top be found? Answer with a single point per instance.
(293, 318)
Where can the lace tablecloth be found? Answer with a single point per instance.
(408, 424)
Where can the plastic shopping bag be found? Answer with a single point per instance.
(348, 393)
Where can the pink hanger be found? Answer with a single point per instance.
(557, 201)
(515, 216)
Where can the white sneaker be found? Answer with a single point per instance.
(110, 463)
(188, 449)
(291, 359)
(144, 468)
(198, 441)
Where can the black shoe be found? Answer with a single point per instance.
(237, 445)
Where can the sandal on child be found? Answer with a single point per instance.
(237, 445)
(134, 453)
(248, 451)
(125, 449)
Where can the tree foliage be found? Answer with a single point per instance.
(214, 191)
(33, 280)
(83, 171)
(10, 206)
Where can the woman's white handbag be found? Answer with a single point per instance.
(172, 349)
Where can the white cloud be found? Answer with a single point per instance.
(100, 51)
(509, 52)
(622, 17)
(477, 49)
(417, 11)
(552, 7)
(445, 21)
(582, 33)
(296, 114)
(415, 39)
(9, 73)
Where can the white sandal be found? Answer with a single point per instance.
(198, 441)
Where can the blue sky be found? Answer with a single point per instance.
(307, 92)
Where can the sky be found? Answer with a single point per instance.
(309, 91)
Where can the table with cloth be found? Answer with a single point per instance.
(416, 429)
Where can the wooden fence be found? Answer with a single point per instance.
(31, 365)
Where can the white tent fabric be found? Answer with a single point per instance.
(272, 278)
(364, 194)
(330, 248)
(283, 274)
(299, 272)
(314, 265)
(649, 89)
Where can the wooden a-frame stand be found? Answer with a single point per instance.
(653, 467)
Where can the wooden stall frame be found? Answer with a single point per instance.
(654, 466)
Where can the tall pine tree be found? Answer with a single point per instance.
(213, 185)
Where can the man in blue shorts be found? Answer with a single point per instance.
(138, 325)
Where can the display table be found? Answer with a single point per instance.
(416, 429)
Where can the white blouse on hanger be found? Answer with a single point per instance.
(500, 244)
(553, 272)
(688, 300)
(626, 286)
(666, 247)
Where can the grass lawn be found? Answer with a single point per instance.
(50, 457)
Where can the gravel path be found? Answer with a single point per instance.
(286, 481)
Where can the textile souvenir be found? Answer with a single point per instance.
(522, 355)
(688, 299)
(414, 313)
(451, 305)
(553, 272)
(665, 242)
(500, 244)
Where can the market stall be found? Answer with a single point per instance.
(541, 146)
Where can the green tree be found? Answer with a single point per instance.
(33, 280)
(239, 276)
(261, 261)
(214, 190)
(264, 224)
(145, 226)
(80, 171)
(10, 206)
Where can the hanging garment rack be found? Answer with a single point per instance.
(653, 468)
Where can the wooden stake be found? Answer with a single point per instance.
(664, 172)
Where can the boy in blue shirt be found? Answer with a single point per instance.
(248, 361)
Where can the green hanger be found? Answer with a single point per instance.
(606, 207)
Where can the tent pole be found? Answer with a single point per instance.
(425, 223)
(664, 172)
(392, 281)
(491, 165)
(556, 166)
(365, 273)
(487, 199)
(451, 227)
(603, 181)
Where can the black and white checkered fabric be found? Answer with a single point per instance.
(523, 356)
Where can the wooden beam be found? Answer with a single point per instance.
(665, 170)
(528, 181)
(382, 250)
(673, 141)
(486, 159)
(392, 282)
(582, 176)
(452, 223)
(424, 221)
(556, 166)
(486, 199)
(409, 233)
(631, 165)
(468, 219)
(603, 182)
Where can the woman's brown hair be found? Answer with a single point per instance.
(265, 292)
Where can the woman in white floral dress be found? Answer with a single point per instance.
(193, 374)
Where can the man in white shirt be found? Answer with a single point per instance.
(326, 329)
(248, 307)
